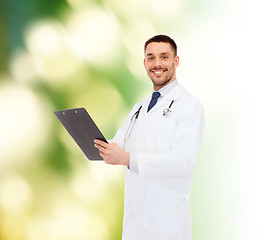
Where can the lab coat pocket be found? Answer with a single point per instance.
(164, 210)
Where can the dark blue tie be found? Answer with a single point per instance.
(153, 101)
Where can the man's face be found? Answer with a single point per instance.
(160, 63)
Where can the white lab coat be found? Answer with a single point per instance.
(156, 201)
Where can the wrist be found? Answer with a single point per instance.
(127, 159)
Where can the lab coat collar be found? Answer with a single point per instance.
(167, 88)
(174, 94)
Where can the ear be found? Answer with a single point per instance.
(144, 64)
(176, 61)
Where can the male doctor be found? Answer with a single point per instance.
(158, 143)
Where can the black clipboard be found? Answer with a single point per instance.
(82, 129)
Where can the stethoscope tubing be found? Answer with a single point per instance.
(134, 117)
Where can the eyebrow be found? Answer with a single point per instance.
(163, 53)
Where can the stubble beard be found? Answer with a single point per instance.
(163, 83)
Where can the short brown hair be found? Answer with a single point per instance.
(162, 38)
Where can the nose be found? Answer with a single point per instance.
(157, 63)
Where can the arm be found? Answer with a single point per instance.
(114, 153)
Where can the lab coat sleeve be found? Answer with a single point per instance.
(180, 158)
(120, 135)
(133, 163)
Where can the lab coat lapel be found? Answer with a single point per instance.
(145, 106)
(159, 104)
(174, 94)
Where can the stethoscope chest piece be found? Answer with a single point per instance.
(167, 112)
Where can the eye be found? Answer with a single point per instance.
(164, 57)
(150, 58)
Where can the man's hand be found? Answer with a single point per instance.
(112, 153)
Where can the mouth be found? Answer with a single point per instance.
(158, 72)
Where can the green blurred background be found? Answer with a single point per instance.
(57, 54)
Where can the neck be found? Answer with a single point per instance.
(157, 87)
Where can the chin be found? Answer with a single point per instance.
(161, 83)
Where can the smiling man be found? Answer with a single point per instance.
(158, 144)
(160, 62)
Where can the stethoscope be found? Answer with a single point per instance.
(166, 113)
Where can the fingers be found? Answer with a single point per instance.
(101, 154)
(101, 143)
(100, 148)
(106, 151)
